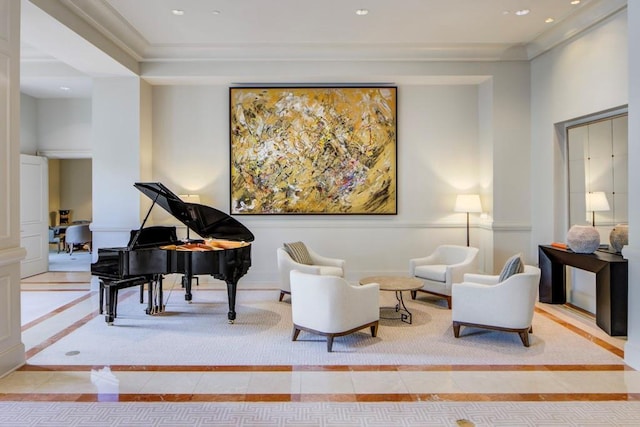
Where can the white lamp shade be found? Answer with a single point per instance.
(468, 203)
(190, 198)
(597, 201)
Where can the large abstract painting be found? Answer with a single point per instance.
(313, 150)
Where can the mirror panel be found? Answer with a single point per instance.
(598, 162)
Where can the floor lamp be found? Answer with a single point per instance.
(596, 202)
(190, 198)
(468, 203)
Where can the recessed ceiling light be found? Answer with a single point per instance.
(575, 2)
(522, 12)
(505, 12)
(549, 20)
(177, 12)
(65, 88)
(216, 12)
(362, 12)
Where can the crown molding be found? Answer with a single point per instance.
(337, 52)
(107, 21)
(65, 154)
(587, 17)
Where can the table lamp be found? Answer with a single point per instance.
(596, 202)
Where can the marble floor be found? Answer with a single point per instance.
(56, 303)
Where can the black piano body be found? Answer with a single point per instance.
(149, 254)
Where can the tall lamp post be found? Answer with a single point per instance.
(468, 203)
(190, 198)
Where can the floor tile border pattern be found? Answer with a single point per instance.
(325, 414)
(322, 397)
(58, 310)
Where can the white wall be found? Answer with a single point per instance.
(439, 152)
(64, 125)
(579, 78)
(28, 125)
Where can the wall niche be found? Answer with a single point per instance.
(598, 166)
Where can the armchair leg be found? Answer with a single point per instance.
(456, 329)
(281, 296)
(524, 336)
(414, 294)
(374, 330)
(296, 332)
(329, 342)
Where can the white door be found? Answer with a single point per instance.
(34, 215)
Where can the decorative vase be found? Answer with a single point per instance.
(619, 237)
(583, 239)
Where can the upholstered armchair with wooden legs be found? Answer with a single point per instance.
(482, 301)
(331, 306)
(446, 265)
(316, 264)
(77, 235)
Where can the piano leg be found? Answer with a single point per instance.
(231, 294)
(101, 296)
(186, 284)
(160, 294)
(156, 301)
(112, 299)
(149, 309)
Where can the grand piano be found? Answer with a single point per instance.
(225, 253)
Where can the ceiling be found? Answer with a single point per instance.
(140, 32)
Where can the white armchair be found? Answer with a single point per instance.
(79, 234)
(320, 265)
(445, 266)
(330, 306)
(481, 301)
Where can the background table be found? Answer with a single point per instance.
(611, 272)
(396, 284)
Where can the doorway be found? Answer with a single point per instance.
(70, 203)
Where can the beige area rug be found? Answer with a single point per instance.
(198, 334)
(64, 261)
(231, 414)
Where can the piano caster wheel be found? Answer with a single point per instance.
(231, 321)
(109, 323)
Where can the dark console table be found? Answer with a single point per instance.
(611, 283)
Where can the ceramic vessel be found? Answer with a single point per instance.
(583, 239)
(619, 237)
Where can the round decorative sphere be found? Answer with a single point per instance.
(583, 239)
(619, 237)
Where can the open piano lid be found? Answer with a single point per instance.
(204, 220)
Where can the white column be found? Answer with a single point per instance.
(632, 252)
(119, 136)
(511, 165)
(11, 346)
